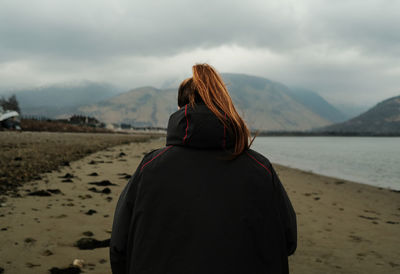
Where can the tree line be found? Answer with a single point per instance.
(10, 104)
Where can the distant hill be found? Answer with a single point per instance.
(317, 104)
(264, 104)
(145, 106)
(58, 99)
(382, 119)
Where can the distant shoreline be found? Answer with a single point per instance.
(322, 134)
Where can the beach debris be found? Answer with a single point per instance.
(103, 183)
(67, 176)
(78, 263)
(90, 243)
(47, 253)
(124, 175)
(122, 154)
(54, 191)
(68, 270)
(65, 163)
(93, 162)
(93, 174)
(30, 241)
(83, 197)
(104, 191)
(368, 217)
(32, 265)
(41, 193)
(44, 193)
(392, 223)
(91, 212)
(88, 233)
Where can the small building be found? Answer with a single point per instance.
(9, 119)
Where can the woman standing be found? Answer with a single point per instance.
(206, 203)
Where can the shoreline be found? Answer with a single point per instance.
(337, 178)
(343, 226)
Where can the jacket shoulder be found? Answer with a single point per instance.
(152, 155)
(260, 160)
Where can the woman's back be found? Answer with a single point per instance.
(190, 208)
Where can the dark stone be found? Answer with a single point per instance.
(93, 189)
(65, 163)
(30, 241)
(41, 193)
(90, 243)
(68, 270)
(91, 212)
(368, 217)
(1, 270)
(122, 154)
(94, 174)
(54, 191)
(88, 233)
(103, 183)
(392, 223)
(47, 253)
(18, 159)
(106, 190)
(67, 176)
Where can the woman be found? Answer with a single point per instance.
(205, 203)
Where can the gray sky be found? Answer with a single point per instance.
(346, 50)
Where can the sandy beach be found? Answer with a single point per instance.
(343, 227)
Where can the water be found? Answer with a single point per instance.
(368, 160)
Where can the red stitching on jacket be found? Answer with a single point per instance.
(224, 140)
(187, 125)
(259, 162)
(148, 162)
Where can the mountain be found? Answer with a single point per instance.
(351, 110)
(317, 104)
(54, 100)
(145, 106)
(382, 119)
(264, 104)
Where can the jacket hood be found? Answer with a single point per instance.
(197, 127)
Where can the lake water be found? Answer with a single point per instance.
(368, 160)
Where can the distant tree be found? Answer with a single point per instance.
(10, 104)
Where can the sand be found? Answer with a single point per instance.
(343, 227)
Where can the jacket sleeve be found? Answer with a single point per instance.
(121, 224)
(287, 214)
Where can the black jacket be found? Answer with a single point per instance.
(189, 210)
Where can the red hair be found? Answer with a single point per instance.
(207, 86)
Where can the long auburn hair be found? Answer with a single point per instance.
(207, 86)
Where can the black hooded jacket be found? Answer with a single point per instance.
(188, 209)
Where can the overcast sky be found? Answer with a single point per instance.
(346, 50)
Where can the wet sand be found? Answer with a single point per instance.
(343, 227)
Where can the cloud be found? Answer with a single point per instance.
(346, 50)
